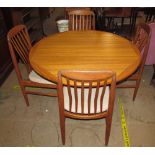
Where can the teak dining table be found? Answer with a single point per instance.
(84, 50)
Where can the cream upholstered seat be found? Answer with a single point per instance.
(86, 90)
(35, 77)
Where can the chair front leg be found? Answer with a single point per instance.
(62, 127)
(108, 129)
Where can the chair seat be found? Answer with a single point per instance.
(86, 91)
(33, 76)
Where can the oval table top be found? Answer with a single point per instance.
(84, 50)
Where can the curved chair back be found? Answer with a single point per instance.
(142, 40)
(141, 36)
(81, 20)
(19, 42)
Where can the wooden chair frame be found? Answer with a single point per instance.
(81, 20)
(141, 40)
(19, 43)
(82, 80)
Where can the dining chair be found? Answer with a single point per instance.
(19, 46)
(86, 95)
(141, 41)
(81, 20)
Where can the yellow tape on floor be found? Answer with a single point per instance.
(17, 87)
(123, 123)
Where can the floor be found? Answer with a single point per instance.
(38, 124)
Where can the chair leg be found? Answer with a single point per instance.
(136, 89)
(62, 126)
(25, 95)
(108, 129)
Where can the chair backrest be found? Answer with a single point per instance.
(19, 42)
(90, 86)
(141, 40)
(81, 20)
(68, 9)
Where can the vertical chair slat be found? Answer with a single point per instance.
(73, 22)
(69, 94)
(76, 19)
(96, 95)
(80, 22)
(102, 95)
(89, 96)
(82, 96)
(90, 22)
(76, 96)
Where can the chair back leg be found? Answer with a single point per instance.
(24, 94)
(136, 89)
(62, 127)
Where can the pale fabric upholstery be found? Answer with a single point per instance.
(86, 91)
(33, 76)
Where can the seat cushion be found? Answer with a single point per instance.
(33, 76)
(86, 91)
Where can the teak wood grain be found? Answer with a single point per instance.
(84, 50)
